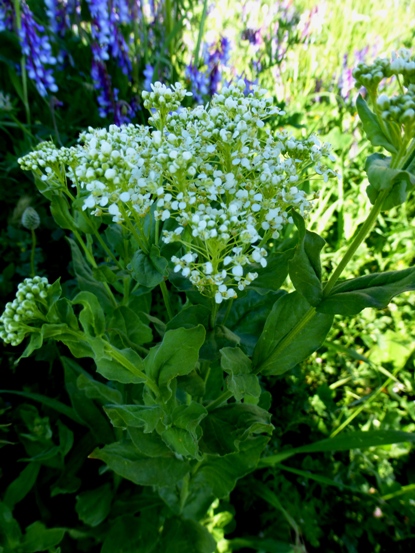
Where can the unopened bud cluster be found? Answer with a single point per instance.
(220, 182)
(29, 305)
(399, 108)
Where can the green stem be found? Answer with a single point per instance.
(118, 356)
(92, 261)
(228, 310)
(357, 241)
(219, 401)
(32, 254)
(22, 64)
(214, 314)
(166, 299)
(200, 35)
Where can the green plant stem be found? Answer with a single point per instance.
(32, 254)
(228, 310)
(219, 401)
(359, 238)
(214, 314)
(200, 34)
(166, 299)
(92, 262)
(118, 356)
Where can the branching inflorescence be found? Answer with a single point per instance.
(215, 179)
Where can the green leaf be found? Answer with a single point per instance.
(190, 316)
(49, 402)
(305, 265)
(136, 416)
(266, 545)
(241, 382)
(129, 534)
(186, 536)
(344, 442)
(85, 408)
(94, 506)
(372, 127)
(126, 461)
(35, 342)
(220, 474)
(59, 207)
(149, 269)
(381, 177)
(85, 278)
(21, 486)
(271, 277)
(125, 322)
(39, 538)
(97, 390)
(375, 290)
(113, 370)
(92, 316)
(150, 445)
(176, 355)
(282, 344)
(182, 436)
(225, 428)
(61, 312)
(10, 533)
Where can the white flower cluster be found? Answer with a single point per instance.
(29, 305)
(49, 162)
(221, 182)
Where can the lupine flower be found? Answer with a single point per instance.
(38, 52)
(6, 15)
(206, 81)
(148, 76)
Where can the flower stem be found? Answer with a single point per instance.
(32, 254)
(166, 299)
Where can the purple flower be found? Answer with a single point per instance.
(38, 51)
(6, 15)
(148, 74)
(346, 80)
(199, 82)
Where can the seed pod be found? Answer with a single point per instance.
(30, 218)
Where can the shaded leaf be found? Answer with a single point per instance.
(149, 269)
(241, 382)
(126, 461)
(282, 344)
(305, 265)
(94, 506)
(186, 536)
(375, 290)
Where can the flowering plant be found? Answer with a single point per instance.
(195, 211)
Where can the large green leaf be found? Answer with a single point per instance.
(176, 355)
(384, 178)
(97, 390)
(112, 369)
(39, 538)
(241, 382)
(372, 127)
(21, 486)
(226, 427)
(150, 444)
(220, 474)
(59, 207)
(375, 290)
(186, 536)
(271, 277)
(92, 316)
(287, 338)
(128, 325)
(94, 506)
(129, 534)
(305, 265)
(190, 316)
(182, 436)
(136, 416)
(344, 442)
(149, 269)
(126, 461)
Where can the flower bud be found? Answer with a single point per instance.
(30, 218)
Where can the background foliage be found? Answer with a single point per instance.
(362, 377)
